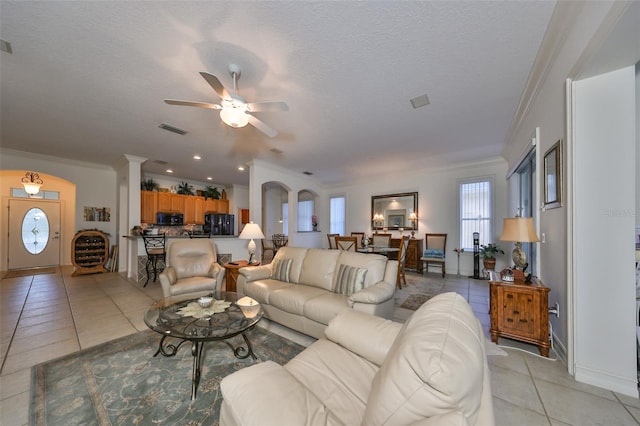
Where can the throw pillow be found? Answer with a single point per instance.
(281, 270)
(434, 253)
(350, 279)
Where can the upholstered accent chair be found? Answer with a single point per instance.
(266, 246)
(192, 268)
(435, 251)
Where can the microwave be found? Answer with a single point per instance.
(168, 218)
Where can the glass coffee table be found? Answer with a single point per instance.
(185, 320)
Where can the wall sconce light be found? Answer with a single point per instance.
(32, 183)
(519, 230)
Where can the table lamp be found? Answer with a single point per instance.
(519, 230)
(251, 231)
(413, 217)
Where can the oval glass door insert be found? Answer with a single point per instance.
(35, 231)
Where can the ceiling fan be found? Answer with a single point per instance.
(235, 111)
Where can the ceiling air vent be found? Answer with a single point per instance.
(420, 101)
(276, 150)
(307, 173)
(161, 162)
(173, 129)
(5, 46)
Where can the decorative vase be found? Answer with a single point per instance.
(315, 227)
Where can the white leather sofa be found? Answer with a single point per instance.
(369, 371)
(304, 289)
(192, 268)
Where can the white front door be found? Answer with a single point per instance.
(34, 233)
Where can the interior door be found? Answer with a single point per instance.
(34, 233)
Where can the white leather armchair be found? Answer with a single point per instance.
(192, 268)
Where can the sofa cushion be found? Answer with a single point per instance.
(255, 396)
(192, 285)
(324, 308)
(350, 279)
(281, 270)
(319, 267)
(261, 290)
(436, 365)
(375, 264)
(339, 378)
(298, 254)
(291, 299)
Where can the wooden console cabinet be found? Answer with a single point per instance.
(89, 252)
(414, 253)
(520, 311)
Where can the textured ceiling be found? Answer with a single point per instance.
(87, 80)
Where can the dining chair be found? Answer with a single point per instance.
(332, 241)
(359, 236)
(382, 240)
(346, 243)
(435, 251)
(402, 260)
(267, 247)
(155, 246)
(279, 240)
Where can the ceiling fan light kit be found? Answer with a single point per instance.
(234, 110)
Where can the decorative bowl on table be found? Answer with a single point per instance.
(249, 307)
(205, 301)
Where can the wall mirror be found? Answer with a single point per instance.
(393, 211)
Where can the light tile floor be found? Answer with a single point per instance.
(43, 317)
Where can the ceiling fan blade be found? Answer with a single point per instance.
(192, 103)
(261, 126)
(267, 106)
(217, 86)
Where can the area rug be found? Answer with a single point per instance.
(28, 272)
(414, 301)
(120, 382)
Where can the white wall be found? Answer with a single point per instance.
(437, 204)
(604, 220)
(95, 184)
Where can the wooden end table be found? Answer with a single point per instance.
(232, 272)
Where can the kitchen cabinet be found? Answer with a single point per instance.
(177, 203)
(193, 207)
(164, 201)
(148, 206)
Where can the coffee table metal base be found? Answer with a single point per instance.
(169, 349)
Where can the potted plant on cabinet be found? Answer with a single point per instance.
(488, 254)
(149, 185)
(185, 189)
(211, 192)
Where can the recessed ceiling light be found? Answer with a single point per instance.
(197, 157)
(209, 178)
(241, 168)
(169, 171)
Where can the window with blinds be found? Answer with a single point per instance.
(476, 199)
(337, 215)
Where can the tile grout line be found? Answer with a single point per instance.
(15, 328)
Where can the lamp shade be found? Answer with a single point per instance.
(32, 183)
(251, 231)
(413, 216)
(519, 229)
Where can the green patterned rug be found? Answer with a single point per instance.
(120, 382)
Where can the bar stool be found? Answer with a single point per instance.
(154, 245)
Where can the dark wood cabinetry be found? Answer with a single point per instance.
(89, 252)
(414, 253)
(520, 311)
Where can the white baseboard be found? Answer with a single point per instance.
(626, 386)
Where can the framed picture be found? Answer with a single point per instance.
(396, 220)
(553, 176)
